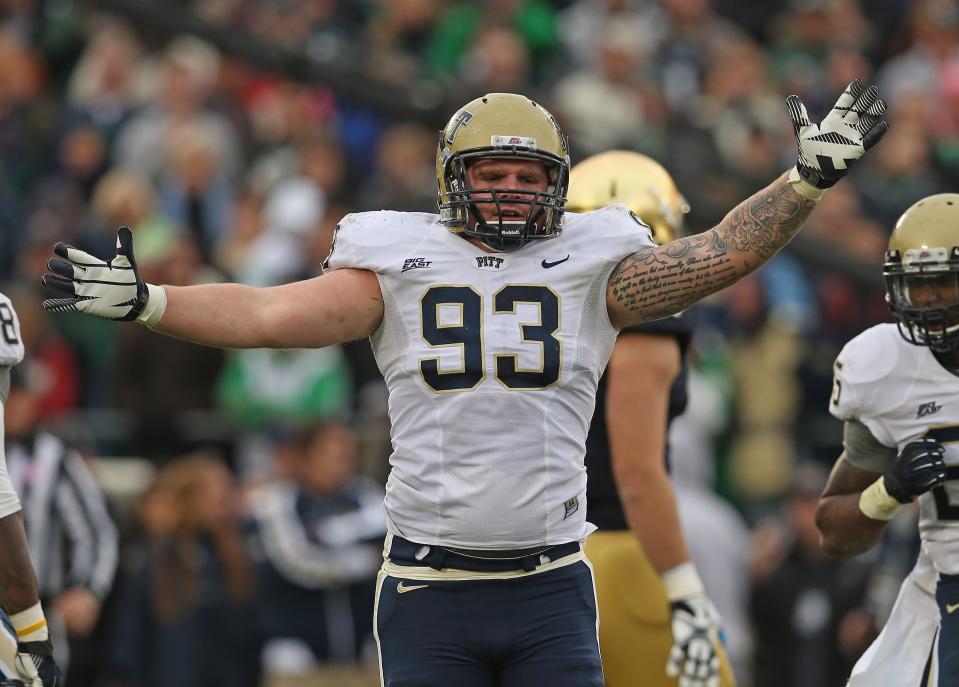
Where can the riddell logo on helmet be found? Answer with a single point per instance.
(524, 142)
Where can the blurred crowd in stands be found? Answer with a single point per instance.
(246, 485)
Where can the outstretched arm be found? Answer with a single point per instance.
(340, 306)
(659, 281)
(337, 307)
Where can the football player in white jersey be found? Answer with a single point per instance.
(897, 390)
(33, 663)
(491, 323)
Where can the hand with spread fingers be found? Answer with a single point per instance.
(112, 290)
(827, 150)
(694, 658)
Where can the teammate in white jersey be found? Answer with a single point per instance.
(491, 323)
(897, 390)
(33, 663)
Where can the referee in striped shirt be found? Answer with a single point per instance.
(72, 539)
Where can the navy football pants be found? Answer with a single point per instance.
(947, 596)
(537, 630)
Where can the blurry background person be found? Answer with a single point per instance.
(809, 608)
(321, 529)
(185, 614)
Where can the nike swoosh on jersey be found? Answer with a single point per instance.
(546, 264)
(951, 608)
(402, 588)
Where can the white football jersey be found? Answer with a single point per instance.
(492, 362)
(901, 393)
(11, 345)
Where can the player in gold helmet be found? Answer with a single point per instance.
(503, 218)
(635, 180)
(924, 254)
(491, 324)
(647, 586)
(896, 387)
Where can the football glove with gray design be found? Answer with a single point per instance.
(113, 290)
(827, 150)
(693, 658)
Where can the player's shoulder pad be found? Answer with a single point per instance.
(862, 367)
(11, 343)
(366, 240)
(615, 229)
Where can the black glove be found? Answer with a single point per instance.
(827, 150)
(917, 469)
(113, 289)
(36, 665)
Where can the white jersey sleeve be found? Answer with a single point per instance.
(616, 231)
(11, 353)
(861, 376)
(373, 240)
(11, 345)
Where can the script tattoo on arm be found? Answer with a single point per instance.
(659, 281)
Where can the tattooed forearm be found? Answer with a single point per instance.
(18, 585)
(663, 280)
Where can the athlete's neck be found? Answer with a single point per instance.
(949, 359)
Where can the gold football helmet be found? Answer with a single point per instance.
(502, 125)
(634, 180)
(922, 272)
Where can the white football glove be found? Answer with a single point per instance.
(693, 658)
(827, 150)
(113, 290)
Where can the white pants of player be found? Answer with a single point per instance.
(897, 658)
